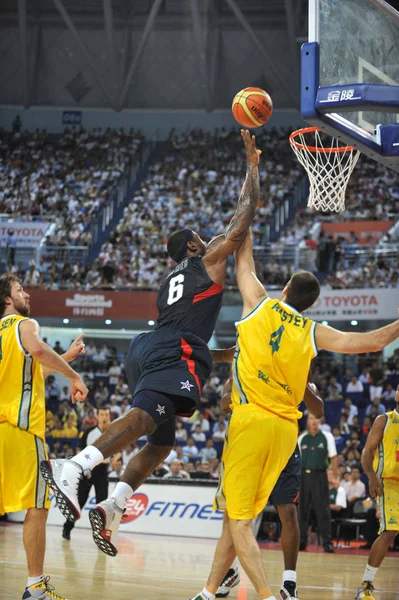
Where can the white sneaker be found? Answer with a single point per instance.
(41, 591)
(105, 519)
(64, 477)
(230, 580)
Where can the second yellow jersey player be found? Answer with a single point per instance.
(386, 465)
(22, 423)
(275, 346)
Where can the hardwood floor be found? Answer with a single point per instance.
(152, 567)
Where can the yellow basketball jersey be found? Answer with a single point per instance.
(386, 460)
(275, 345)
(22, 401)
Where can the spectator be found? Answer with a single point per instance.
(334, 382)
(388, 394)
(102, 393)
(176, 471)
(125, 406)
(350, 459)
(353, 410)
(70, 430)
(160, 471)
(220, 433)
(324, 426)
(354, 386)
(180, 432)
(90, 419)
(190, 450)
(343, 425)
(197, 434)
(356, 427)
(52, 392)
(65, 394)
(339, 440)
(128, 453)
(377, 380)
(354, 489)
(337, 495)
(208, 453)
(177, 454)
(376, 404)
(366, 426)
(214, 464)
(114, 373)
(365, 376)
(204, 423)
(334, 394)
(116, 467)
(58, 348)
(114, 408)
(220, 420)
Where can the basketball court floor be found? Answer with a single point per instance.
(150, 567)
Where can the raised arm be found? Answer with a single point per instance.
(328, 338)
(251, 289)
(373, 439)
(223, 245)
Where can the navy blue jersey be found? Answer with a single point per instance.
(188, 299)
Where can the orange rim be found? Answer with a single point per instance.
(293, 142)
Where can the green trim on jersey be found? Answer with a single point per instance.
(26, 393)
(236, 379)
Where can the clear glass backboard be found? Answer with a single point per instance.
(355, 44)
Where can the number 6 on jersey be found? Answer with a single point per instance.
(175, 289)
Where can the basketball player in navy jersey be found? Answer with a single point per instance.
(166, 368)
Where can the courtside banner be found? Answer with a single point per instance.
(95, 304)
(25, 233)
(362, 304)
(161, 509)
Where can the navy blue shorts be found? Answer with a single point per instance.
(162, 409)
(171, 362)
(286, 490)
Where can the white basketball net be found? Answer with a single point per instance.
(328, 166)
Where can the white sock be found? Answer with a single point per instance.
(33, 580)
(289, 576)
(271, 598)
(207, 595)
(121, 494)
(370, 573)
(89, 458)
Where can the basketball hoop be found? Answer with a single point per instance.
(328, 167)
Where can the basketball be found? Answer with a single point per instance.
(252, 107)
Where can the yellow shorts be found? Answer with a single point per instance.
(21, 484)
(257, 448)
(389, 505)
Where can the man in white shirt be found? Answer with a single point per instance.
(354, 385)
(190, 450)
(355, 488)
(114, 373)
(176, 471)
(198, 435)
(353, 410)
(337, 495)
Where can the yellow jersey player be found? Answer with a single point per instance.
(24, 361)
(275, 345)
(380, 460)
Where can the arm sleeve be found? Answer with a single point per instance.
(332, 449)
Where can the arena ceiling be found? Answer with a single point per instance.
(152, 54)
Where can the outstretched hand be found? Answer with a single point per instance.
(77, 347)
(253, 153)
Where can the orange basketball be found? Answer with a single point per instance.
(252, 107)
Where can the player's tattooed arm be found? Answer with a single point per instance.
(223, 245)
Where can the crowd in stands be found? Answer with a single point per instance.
(195, 183)
(353, 396)
(67, 177)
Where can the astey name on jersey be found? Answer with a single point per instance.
(180, 267)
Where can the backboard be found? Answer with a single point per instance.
(350, 75)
